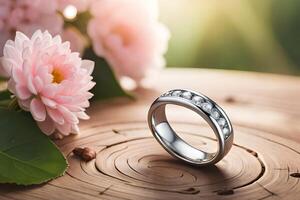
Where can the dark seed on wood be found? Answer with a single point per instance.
(85, 153)
(78, 151)
(88, 154)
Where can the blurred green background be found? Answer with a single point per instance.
(254, 35)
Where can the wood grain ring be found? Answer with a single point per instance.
(130, 163)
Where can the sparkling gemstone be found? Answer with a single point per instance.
(168, 93)
(226, 131)
(197, 100)
(207, 106)
(176, 93)
(222, 122)
(187, 95)
(215, 113)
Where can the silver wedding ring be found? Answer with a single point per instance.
(207, 109)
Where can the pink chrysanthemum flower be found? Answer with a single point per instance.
(48, 80)
(129, 36)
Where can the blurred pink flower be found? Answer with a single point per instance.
(77, 41)
(27, 16)
(128, 35)
(48, 80)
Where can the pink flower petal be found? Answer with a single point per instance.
(49, 91)
(22, 92)
(26, 53)
(74, 108)
(26, 67)
(88, 86)
(38, 83)
(47, 126)
(18, 76)
(56, 116)
(75, 129)
(64, 99)
(19, 39)
(82, 115)
(25, 104)
(38, 110)
(30, 85)
(11, 53)
(11, 86)
(69, 116)
(88, 65)
(6, 66)
(85, 104)
(64, 129)
(48, 102)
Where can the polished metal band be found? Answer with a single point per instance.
(207, 109)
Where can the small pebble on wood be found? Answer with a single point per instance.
(86, 153)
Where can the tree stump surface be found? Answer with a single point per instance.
(264, 162)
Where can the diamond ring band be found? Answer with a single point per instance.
(203, 106)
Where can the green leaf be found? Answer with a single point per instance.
(5, 95)
(107, 85)
(5, 98)
(27, 156)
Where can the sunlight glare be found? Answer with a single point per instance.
(70, 12)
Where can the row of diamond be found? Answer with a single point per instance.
(205, 105)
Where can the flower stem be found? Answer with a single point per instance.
(13, 104)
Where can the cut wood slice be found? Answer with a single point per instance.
(262, 164)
